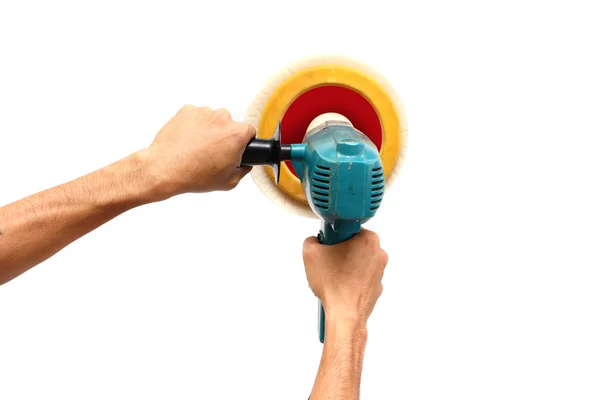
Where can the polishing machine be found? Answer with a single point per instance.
(333, 133)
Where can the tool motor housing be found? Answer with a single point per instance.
(341, 173)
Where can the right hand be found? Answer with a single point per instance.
(346, 277)
(199, 150)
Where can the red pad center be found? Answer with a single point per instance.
(324, 99)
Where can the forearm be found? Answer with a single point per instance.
(37, 227)
(340, 369)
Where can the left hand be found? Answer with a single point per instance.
(199, 150)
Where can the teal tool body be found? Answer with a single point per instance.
(341, 174)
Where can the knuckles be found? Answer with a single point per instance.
(308, 248)
(370, 238)
(244, 133)
(370, 241)
(221, 118)
(222, 114)
(191, 109)
(383, 257)
(239, 131)
(187, 108)
(231, 183)
(205, 110)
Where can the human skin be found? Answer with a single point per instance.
(198, 150)
(347, 278)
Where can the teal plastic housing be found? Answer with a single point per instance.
(342, 178)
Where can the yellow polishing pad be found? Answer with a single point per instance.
(312, 86)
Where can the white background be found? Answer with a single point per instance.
(493, 226)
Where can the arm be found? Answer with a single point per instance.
(341, 362)
(180, 160)
(37, 227)
(346, 277)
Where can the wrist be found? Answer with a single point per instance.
(345, 314)
(153, 185)
(344, 324)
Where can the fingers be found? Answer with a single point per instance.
(367, 237)
(247, 131)
(190, 108)
(364, 232)
(310, 243)
(311, 240)
(222, 113)
(237, 176)
(241, 172)
(385, 258)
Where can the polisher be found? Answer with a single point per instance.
(331, 138)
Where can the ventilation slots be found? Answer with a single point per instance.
(320, 193)
(377, 186)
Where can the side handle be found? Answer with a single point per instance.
(267, 152)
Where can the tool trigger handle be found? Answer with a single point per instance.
(328, 236)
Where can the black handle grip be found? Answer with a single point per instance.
(267, 152)
(262, 152)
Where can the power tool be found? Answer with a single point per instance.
(341, 174)
(332, 133)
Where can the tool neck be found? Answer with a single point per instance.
(329, 237)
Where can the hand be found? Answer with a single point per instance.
(199, 150)
(346, 277)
